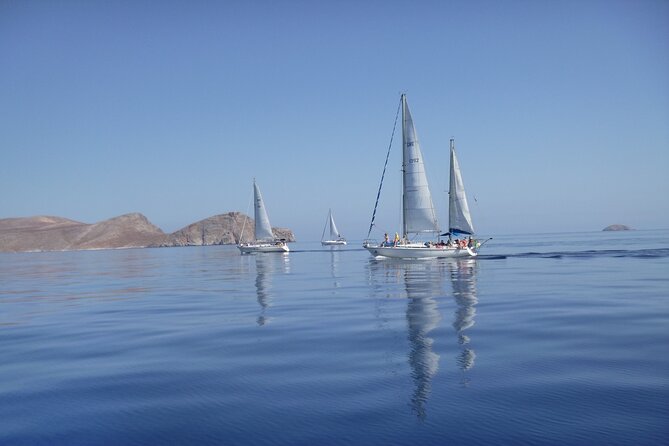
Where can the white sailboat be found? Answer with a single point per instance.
(264, 238)
(418, 214)
(335, 237)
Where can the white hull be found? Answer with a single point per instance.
(248, 248)
(333, 242)
(419, 251)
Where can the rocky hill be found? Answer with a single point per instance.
(46, 233)
(220, 230)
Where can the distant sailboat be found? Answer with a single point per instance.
(418, 214)
(264, 238)
(335, 237)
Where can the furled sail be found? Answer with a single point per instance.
(263, 230)
(334, 233)
(418, 210)
(459, 219)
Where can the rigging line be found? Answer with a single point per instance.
(378, 194)
(325, 227)
(246, 217)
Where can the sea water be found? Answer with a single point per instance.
(557, 339)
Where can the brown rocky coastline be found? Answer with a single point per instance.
(134, 230)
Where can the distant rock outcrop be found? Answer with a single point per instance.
(617, 228)
(221, 229)
(46, 233)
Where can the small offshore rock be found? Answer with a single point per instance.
(617, 228)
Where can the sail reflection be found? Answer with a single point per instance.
(267, 265)
(424, 285)
(463, 280)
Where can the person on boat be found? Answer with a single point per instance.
(470, 242)
(386, 241)
(397, 239)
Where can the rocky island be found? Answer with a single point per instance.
(46, 233)
(617, 228)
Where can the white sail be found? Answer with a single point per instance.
(418, 210)
(334, 233)
(459, 219)
(263, 230)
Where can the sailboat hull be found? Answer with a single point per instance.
(333, 242)
(419, 252)
(248, 248)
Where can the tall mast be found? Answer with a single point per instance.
(404, 141)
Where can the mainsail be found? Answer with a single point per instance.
(418, 210)
(263, 230)
(459, 219)
(334, 233)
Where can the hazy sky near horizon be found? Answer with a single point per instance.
(560, 110)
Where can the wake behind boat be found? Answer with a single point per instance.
(264, 238)
(335, 237)
(418, 214)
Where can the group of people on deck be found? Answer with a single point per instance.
(396, 240)
(457, 243)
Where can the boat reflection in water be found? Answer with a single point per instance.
(463, 280)
(424, 284)
(334, 266)
(266, 266)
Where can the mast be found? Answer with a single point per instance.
(403, 99)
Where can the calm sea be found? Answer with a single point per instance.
(556, 339)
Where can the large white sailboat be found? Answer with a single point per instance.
(264, 240)
(335, 237)
(418, 214)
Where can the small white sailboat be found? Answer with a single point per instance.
(418, 214)
(335, 237)
(264, 238)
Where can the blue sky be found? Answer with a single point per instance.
(560, 110)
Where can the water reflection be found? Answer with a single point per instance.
(424, 286)
(334, 266)
(463, 280)
(267, 265)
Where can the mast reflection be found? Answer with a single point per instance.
(266, 266)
